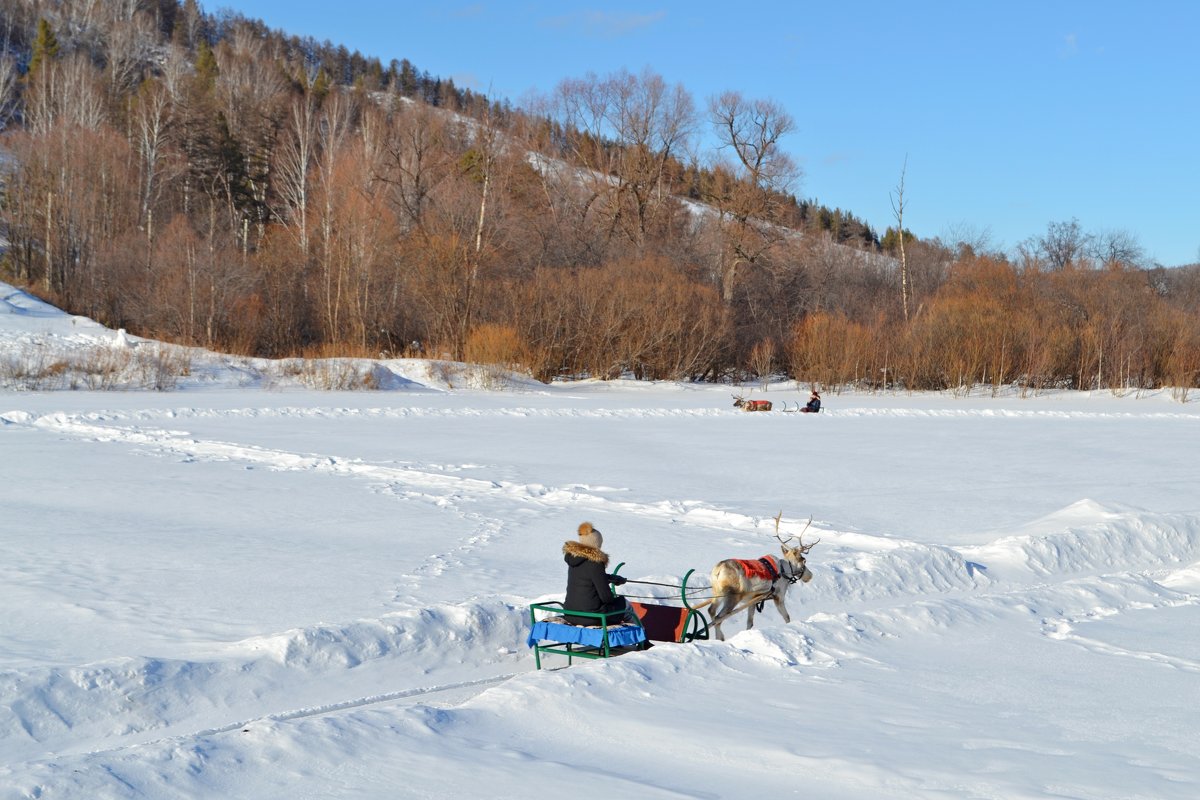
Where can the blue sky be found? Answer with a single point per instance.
(1011, 115)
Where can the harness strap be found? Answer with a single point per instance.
(776, 573)
(790, 573)
(769, 563)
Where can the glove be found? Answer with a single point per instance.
(616, 580)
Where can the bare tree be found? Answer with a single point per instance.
(587, 188)
(417, 160)
(252, 91)
(65, 92)
(898, 210)
(151, 120)
(294, 163)
(8, 87)
(79, 21)
(966, 239)
(566, 229)
(250, 85)
(1063, 245)
(748, 205)
(486, 144)
(130, 46)
(174, 71)
(1116, 248)
(334, 128)
(653, 123)
(620, 134)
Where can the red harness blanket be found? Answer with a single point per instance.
(766, 567)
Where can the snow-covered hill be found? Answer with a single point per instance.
(246, 587)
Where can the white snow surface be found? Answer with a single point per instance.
(249, 589)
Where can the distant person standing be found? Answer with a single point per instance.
(814, 403)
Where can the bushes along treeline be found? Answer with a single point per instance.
(208, 181)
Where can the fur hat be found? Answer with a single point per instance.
(590, 536)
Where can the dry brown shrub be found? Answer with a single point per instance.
(1182, 367)
(498, 345)
(328, 374)
(327, 350)
(762, 359)
(640, 318)
(831, 350)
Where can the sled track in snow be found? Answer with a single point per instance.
(919, 568)
(246, 725)
(400, 480)
(1052, 553)
(132, 428)
(437, 485)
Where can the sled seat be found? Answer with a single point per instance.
(549, 632)
(671, 623)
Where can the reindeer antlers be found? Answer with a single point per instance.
(804, 548)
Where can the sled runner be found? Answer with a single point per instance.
(613, 634)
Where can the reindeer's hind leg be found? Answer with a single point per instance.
(722, 607)
(748, 604)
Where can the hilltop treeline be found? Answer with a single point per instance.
(203, 179)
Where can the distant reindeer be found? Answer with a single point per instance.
(746, 583)
(751, 405)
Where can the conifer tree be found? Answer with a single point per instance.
(45, 46)
(408, 78)
(206, 65)
(320, 86)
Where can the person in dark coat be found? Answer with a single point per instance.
(814, 403)
(587, 582)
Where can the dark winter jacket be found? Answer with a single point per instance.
(814, 405)
(587, 583)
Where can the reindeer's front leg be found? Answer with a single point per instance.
(780, 596)
(750, 616)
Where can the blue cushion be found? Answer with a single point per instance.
(618, 635)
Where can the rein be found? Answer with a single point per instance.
(785, 572)
(690, 592)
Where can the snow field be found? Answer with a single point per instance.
(226, 591)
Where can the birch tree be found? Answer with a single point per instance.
(150, 122)
(8, 89)
(295, 161)
(898, 210)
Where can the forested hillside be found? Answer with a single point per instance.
(203, 179)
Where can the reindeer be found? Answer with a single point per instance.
(751, 405)
(746, 584)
